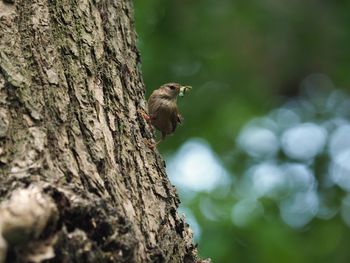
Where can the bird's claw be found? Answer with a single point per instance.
(150, 144)
(144, 115)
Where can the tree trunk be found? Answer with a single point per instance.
(77, 182)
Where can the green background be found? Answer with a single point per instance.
(271, 65)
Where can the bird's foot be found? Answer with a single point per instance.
(144, 115)
(150, 144)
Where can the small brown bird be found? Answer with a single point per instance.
(162, 108)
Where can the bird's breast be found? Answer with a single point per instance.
(162, 113)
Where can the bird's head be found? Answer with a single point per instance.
(172, 90)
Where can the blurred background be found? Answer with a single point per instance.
(262, 160)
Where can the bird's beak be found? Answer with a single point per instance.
(184, 89)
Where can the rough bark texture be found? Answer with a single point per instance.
(72, 150)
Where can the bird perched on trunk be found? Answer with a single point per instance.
(162, 108)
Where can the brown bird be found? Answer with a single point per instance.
(162, 108)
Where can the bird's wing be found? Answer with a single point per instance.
(153, 106)
(174, 118)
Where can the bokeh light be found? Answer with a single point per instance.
(259, 141)
(299, 209)
(195, 167)
(304, 141)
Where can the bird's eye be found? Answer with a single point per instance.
(172, 87)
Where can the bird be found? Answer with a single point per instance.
(163, 113)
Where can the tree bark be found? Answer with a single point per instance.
(77, 182)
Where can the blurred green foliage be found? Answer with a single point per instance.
(243, 59)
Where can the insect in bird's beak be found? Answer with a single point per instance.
(184, 89)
